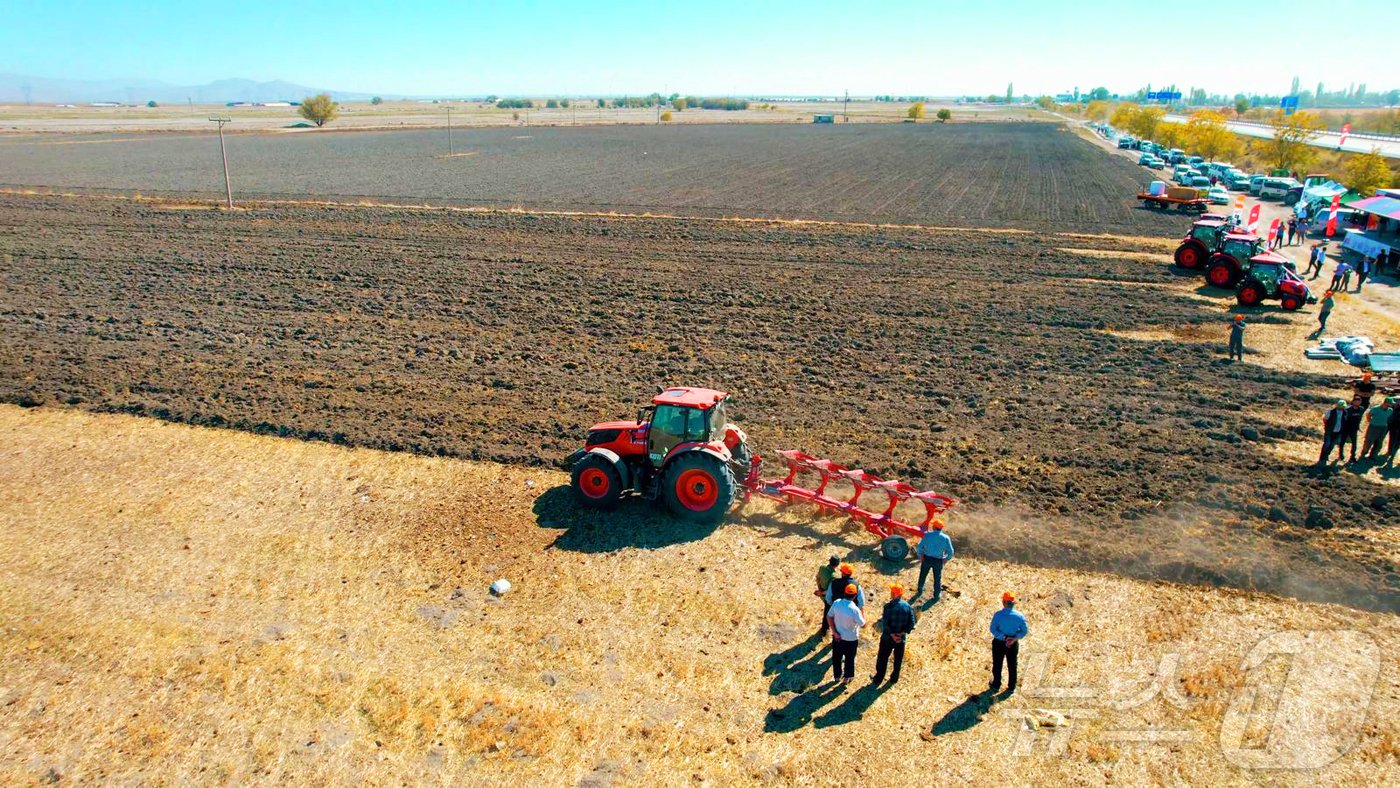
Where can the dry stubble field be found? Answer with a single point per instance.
(186, 605)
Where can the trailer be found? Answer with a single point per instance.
(1184, 198)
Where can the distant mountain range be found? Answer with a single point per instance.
(20, 89)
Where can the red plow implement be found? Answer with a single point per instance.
(878, 516)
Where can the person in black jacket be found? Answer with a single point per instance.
(1333, 424)
(1351, 426)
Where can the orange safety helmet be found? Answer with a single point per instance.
(1008, 597)
(1239, 317)
(847, 570)
(851, 589)
(936, 525)
(896, 590)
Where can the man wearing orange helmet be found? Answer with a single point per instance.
(1008, 627)
(1237, 338)
(897, 621)
(846, 620)
(838, 587)
(934, 550)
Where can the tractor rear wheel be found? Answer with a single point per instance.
(596, 483)
(1251, 293)
(1222, 272)
(1190, 256)
(698, 487)
(895, 548)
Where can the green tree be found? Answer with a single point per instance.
(678, 103)
(1046, 103)
(916, 110)
(319, 109)
(1098, 94)
(151, 104)
(1241, 105)
(564, 103)
(944, 115)
(376, 101)
(602, 103)
(1208, 136)
(552, 104)
(1008, 93)
(1367, 172)
(1290, 148)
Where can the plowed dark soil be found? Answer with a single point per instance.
(1034, 175)
(980, 364)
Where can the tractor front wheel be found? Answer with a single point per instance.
(698, 487)
(1291, 303)
(895, 548)
(596, 483)
(1251, 293)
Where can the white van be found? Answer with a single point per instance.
(1276, 188)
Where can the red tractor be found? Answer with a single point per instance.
(682, 450)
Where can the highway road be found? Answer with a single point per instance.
(1326, 139)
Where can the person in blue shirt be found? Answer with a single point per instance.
(934, 550)
(1008, 627)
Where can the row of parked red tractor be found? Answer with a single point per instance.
(1239, 260)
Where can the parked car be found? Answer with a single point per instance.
(1188, 178)
(1278, 189)
(1217, 195)
(1195, 161)
(1175, 155)
(1199, 182)
(1125, 142)
(1237, 181)
(1256, 182)
(1146, 157)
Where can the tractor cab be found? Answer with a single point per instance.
(684, 415)
(1208, 232)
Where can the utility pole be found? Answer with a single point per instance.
(449, 130)
(228, 188)
(846, 111)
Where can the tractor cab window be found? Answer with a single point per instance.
(672, 425)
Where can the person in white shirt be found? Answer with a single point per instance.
(846, 621)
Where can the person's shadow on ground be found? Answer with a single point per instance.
(798, 711)
(853, 708)
(968, 713)
(798, 668)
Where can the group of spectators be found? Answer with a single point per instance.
(843, 615)
(1342, 425)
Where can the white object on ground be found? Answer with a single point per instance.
(500, 587)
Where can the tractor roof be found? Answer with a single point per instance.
(1269, 257)
(1241, 237)
(704, 399)
(1210, 223)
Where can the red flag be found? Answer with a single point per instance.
(1253, 216)
(1346, 129)
(1332, 219)
(1276, 230)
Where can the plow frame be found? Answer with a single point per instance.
(879, 521)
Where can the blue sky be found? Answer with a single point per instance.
(712, 46)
